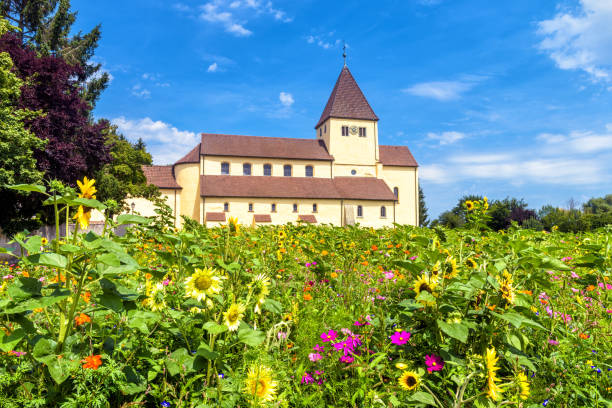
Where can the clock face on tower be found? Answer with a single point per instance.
(353, 130)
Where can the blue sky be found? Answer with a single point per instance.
(503, 98)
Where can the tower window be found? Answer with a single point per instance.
(246, 169)
(267, 169)
(250, 207)
(309, 171)
(225, 207)
(353, 172)
(396, 193)
(362, 132)
(320, 132)
(359, 211)
(295, 208)
(287, 170)
(273, 207)
(345, 131)
(314, 208)
(225, 168)
(383, 212)
(324, 128)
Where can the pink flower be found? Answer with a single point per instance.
(553, 342)
(400, 338)
(314, 357)
(434, 363)
(347, 359)
(318, 348)
(307, 379)
(282, 335)
(17, 353)
(8, 277)
(389, 275)
(166, 282)
(329, 336)
(575, 276)
(412, 258)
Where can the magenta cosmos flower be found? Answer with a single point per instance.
(434, 363)
(400, 338)
(329, 336)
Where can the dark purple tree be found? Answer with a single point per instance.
(76, 146)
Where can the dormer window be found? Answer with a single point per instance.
(345, 130)
(362, 132)
(225, 168)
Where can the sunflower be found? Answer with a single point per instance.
(470, 263)
(155, 297)
(450, 268)
(424, 283)
(82, 216)
(259, 384)
(233, 315)
(233, 225)
(523, 385)
(469, 205)
(87, 188)
(409, 380)
(203, 282)
(261, 288)
(506, 288)
(494, 391)
(435, 271)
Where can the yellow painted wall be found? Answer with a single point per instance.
(212, 166)
(328, 211)
(188, 176)
(371, 212)
(344, 170)
(351, 149)
(146, 207)
(406, 179)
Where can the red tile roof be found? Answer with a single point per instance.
(215, 216)
(262, 218)
(347, 101)
(396, 156)
(357, 188)
(161, 176)
(266, 147)
(309, 218)
(192, 157)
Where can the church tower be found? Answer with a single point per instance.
(349, 128)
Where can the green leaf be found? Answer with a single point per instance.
(28, 187)
(8, 343)
(214, 328)
(37, 303)
(205, 351)
(50, 259)
(513, 318)
(88, 202)
(110, 301)
(59, 367)
(250, 337)
(69, 248)
(132, 219)
(423, 397)
(273, 306)
(455, 330)
(135, 383)
(426, 297)
(24, 288)
(33, 244)
(179, 362)
(553, 263)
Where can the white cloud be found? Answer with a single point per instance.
(441, 90)
(580, 141)
(181, 7)
(234, 16)
(581, 40)
(324, 41)
(166, 143)
(213, 67)
(286, 99)
(139, 91)
(446, 138)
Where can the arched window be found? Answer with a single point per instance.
(225, 168)
(225, 207)
(246, 169)
(309, 171)
(273, 207)
(396, 193)
(295, 207)
(383, 211)
(267, 169)
(287, 170)
(359, 211)
(314, 208)
(250, 207)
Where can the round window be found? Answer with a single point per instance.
(353, 172)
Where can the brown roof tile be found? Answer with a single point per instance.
(347, 101)
(262, 218)
(309, 218)
(267, 147)
(161, 176)
(215, 216)
(192, 157)
(357, 188)
(396, 156)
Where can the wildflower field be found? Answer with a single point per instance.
(305, 316)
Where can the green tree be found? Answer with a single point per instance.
(124, 177)
(599, 205)
(423, 218)
(46, 24)
(17, 145)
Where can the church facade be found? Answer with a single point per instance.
(342, 176)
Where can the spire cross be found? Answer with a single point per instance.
(344, 54)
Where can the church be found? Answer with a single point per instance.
(342, 176)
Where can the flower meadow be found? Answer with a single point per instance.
(303, 316)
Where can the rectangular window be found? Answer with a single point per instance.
(287, 170)
(362, 132)
(345, 131)
(309, 171)
(273, 208)
(246, 169)
(295, 208)
(250, 207)
(267, 169)
(314, 208)
(224, 168)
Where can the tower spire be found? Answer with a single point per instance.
(344, 53)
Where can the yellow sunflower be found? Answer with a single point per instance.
(87, 188)
(435, 271)
(470, 263)
(233, 225)
(469, 205)
(155, 297)
(494, 391)
(233, 315)
(261, 289)
(259, 384)
(203, 282)
(409, 380)
(424, 283)
(450, 268)
(83, 216)
(506, 288)
(523, 385)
